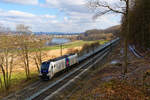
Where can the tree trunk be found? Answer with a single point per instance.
(37, 65)
(126, 56)
(126, 38)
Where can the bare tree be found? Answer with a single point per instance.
(38, 45)
(24, 43)
(4, 30)
(21, 28)
(1, 85)
(6, 59)
(102, 7)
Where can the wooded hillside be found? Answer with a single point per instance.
(97, 34)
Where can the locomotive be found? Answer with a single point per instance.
(49, 68)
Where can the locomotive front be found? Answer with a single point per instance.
(44, 70)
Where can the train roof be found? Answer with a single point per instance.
(59, 58)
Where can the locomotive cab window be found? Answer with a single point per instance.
(44, 66)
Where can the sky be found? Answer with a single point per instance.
(53, 15)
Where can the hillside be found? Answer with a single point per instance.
(97, 34)
(113, 29)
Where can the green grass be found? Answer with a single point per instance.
(20, 76)
(72, 44)
(69, 45)
(18, 81)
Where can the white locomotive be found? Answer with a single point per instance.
(51, 67)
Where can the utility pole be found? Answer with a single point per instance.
(60, 49)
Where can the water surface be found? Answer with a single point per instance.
(56, 41)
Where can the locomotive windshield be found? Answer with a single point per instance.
(45, 67)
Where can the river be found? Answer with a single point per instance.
(56, 41)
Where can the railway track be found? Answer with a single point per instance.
(47, 89)
(50, 97)
(53, 89)
(134, 51)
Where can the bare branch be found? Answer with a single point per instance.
(100, 14)
(102, 7)
(110, 8)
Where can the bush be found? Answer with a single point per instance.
(85, 48)
(88, 47)
(70, 51)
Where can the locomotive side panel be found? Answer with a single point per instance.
(73, 59)
(59, 65)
